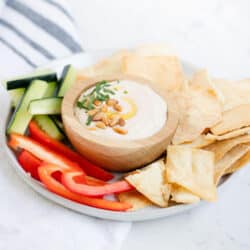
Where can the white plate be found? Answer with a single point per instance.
(81, 60)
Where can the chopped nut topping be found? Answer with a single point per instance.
(104, 108)
(98, 117)
(120, 130)
(92, 112)
(121, 122)
(97, 103)
(100, 125)
(117, 107)
(105, 120)
(111, 102)
(114, 120)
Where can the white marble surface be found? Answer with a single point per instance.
(214, 34)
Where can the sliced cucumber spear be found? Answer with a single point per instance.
(16, 96)
(58, 122)
(28, 76)
(48, 126)
(51, 90)
(45, 106)
(21, 117)
(68, 78)
(24, 82)
(17, 93)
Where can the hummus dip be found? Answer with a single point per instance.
(121, 109)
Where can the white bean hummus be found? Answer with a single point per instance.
(121, 109)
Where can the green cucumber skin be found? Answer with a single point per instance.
(21, 117)
(49, 127)
(45, 106)
(51, 90)
(31, 74)
(24, 83)
(16, 94)
(68, 78)
(58, 123)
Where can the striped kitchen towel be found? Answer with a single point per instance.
(33, 32)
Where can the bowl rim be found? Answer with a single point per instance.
(79, 87)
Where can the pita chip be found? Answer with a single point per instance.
(229, 135)
(150, 182)
(137, 200)
(182, 195)
(192, 169)
(228, 160)
(165, 71)
(200, 109)
(202, 80)
(200, 142)
(220, 148)
(108, 66)
(243, 161)
(235, 118)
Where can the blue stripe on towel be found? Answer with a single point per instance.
(17, 52)
(25, 38)
(49, 26)
(60, 7)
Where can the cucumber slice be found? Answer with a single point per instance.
(21, 117)
(24, 82)
(32, 74)
(48, 126)
(68, 78)
(52, 86)
(16, 95)
(45, 106)
(58, 123)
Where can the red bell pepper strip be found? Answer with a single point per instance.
(81, 188)
(89, 180)
(88, 167)
(30, 164)
(45, 173)
(17, 141)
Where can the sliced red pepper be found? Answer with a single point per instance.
(89, 180)
(80, 188)
(17, 141)
(30, 163)
(90, 169)
(45, 173)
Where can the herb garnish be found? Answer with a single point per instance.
(101, 92)
(109, 91)
(89, 120)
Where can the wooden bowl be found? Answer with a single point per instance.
(114, 154)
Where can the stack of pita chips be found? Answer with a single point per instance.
(212, 136)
